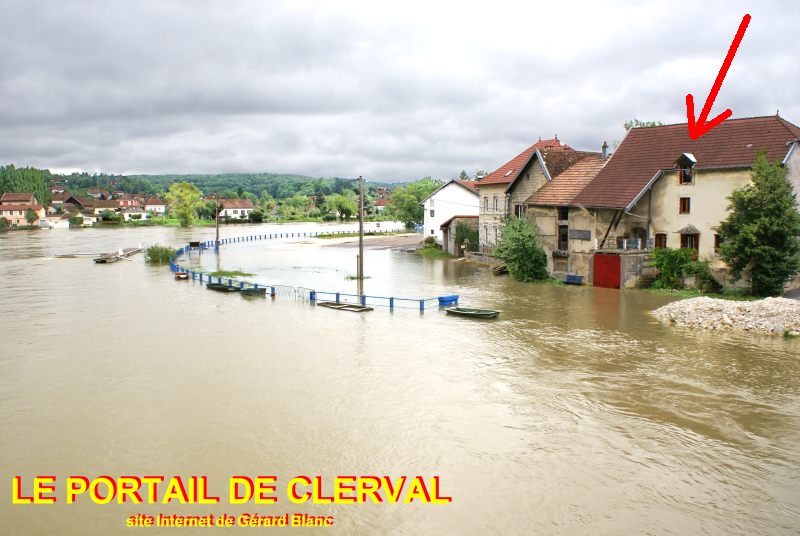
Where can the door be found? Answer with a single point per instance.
(606, 272)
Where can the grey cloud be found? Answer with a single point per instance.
(342, 90)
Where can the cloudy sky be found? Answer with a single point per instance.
(386, 90)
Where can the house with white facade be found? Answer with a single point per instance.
(236, 208)
(454, 198)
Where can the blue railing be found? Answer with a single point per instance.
(392, 302)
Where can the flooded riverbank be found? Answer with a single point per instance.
(576, 412)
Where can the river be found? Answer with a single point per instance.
(574, 413)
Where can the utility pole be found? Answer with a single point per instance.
(360, 273)
(216, 217)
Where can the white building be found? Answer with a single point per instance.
(156, 206)
(236, 208)
(455, 198)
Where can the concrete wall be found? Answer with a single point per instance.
(452, 200)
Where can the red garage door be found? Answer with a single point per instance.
(606, 270)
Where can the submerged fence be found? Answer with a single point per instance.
(309, 294)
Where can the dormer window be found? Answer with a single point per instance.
(685, 166)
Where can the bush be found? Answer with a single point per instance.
(671, 265)
(256, 216)
(704, 281)
(329, 217)
(524, 258)
(466, 233)
(430, 242)
(158, 254)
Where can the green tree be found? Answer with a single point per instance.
(762, 232)
(524, 258)
(343, 205)
(637, 123)
(405, 202)
(184, 199)
(31, 216)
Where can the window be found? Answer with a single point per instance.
(496, 204)
(431, 213)
(495, 234)
(690, 241)
(486, 203)
(661, 240)
(563, 213)
(519, 211)
(685, 175)
(485, 233)
(431, 231)
(563, 237)
(685, 205)
(717, 243)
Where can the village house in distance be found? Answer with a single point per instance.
(600, 215)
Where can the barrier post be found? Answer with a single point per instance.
(363, 300)
(272, 292)
(230, 282)
(312, 296)
(421, 306)
(391, 303)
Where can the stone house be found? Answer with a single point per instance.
(663, 189)
(549, 207)
(505, 191)
(18, 198)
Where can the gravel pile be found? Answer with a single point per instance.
(771, 315)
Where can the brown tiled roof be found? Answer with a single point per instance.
(468, 184)
(381, 202)
(15, 197)
(154, 201)
(558, 160)
(567, 184)
(645, 151)
(237, 203)
(106, 204)
(20, 207)
(509, 171)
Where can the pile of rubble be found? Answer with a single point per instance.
(777, 316)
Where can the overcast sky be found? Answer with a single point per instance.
(386, 90)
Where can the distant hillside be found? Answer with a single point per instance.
(278, 185)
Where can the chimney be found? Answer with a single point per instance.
(604, 151)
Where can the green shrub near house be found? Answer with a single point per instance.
(466, 233)
(675, 265)
(158, 254)
(519, 250)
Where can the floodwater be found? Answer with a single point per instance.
(575, 413)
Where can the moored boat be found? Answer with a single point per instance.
(181, 276)
(221, 287)
(254, 291)
(472, 313)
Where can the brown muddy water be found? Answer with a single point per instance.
(575, 413)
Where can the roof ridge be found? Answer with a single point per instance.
(730, 119)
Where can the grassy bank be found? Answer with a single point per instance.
(434, 253)
(724, 295)
(230, 273)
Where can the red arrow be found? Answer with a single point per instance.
(699, 127)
